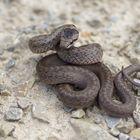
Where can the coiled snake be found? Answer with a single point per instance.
(79, 74)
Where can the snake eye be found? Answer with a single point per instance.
(69, 33)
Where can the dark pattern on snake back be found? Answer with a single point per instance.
(79, 74)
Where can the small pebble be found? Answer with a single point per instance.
(38, 11)
(11, 49)
(115, 132)
(123, 136)
(1, 88)
(10, 64)
(52, 138)
(112, 121)
(95, 23)
(13, 114)
(87, 130)
(126, 126)
(6, 129)
(5, 92)
(131, 138)
(40, 113)
(78, 114)
(68, 109)
(23, 103)
(135, 133)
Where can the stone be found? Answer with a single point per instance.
(78, 114)
(11, 49)
(6, 129)
(95, 115)
(52, 138)
(23, 103)
(22, 89)
(68, 109)
(10, 64)
(86, 130)
(135, 133)
(40, 113)
(13, 114)
(131, 138)
(112, 121)
(123, 136)
(5, 92)
(95, 23)
(126, 126)
(114, 131)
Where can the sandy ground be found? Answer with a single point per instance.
(113, 24)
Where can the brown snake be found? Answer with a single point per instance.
(79, 73)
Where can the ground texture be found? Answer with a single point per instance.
(30, 110)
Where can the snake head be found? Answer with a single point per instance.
(68, 37)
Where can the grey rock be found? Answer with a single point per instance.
(1, 87)
(40, 113)
(131, 138)
(11, 49)
(95, 23)
(86, 130)
(115, 132)
(13, 114)
(95, 115)
(6, 129)
(52, 138)
(78, 114)
(22, 88)
(23, 103)
(123, 136)
(135, 133)
(112, 121)
(5, 92)
(10, 64)
(125, 126)
(68, 109)
(134, 60)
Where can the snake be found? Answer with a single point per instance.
(79, 74)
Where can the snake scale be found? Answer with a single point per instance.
(79, 73)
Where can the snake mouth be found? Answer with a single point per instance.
(70, 45)
(66, 44)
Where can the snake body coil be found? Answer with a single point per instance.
(79, 73)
